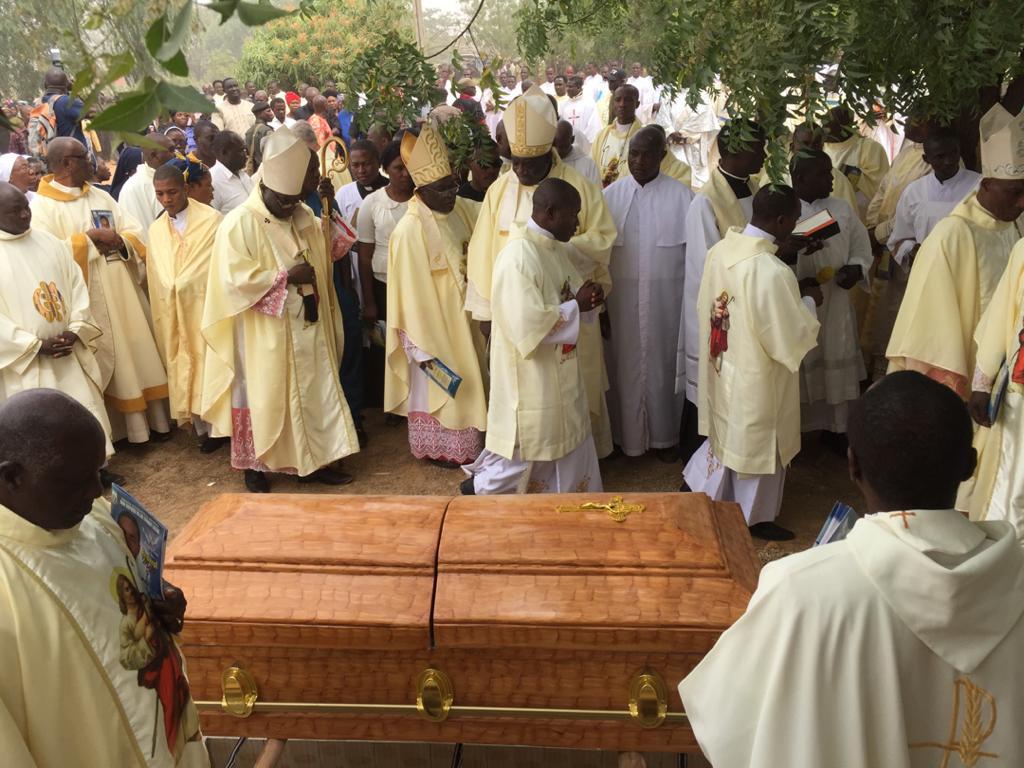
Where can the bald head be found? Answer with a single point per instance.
(15, 215)
(51, 451)
(160, 154)
(651, 137)
(59, 148)
(556, 207)
(563, 138)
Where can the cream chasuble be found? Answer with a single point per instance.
(538, 401)
(43, 294)
(754, 331)
(133, 373)
(712, 213)
(648, 263)
(898, 647)
(89, 676)
(831, 373)
(179, 265)
(138, 199)
(864, 163)
(271, 378)
(426, 292)
(507, 203)
(954, 275)
(673, 167)
(610, 151)
(996, 492)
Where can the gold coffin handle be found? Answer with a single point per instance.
(648, 699)
(238, 692)
(434, 695)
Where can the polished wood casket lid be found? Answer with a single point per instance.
(310, 570)
(516, 571)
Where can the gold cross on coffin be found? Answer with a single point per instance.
(617, 509)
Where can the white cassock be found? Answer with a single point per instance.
(922, 205)
(493, 112)
(648, 96)
(702, 232)
(697, 126)
(548, 88)
(594, 87)
(831, 373)
(538, 424)
(754, 331)
(581, 112)
(583, 164)
(647, 266)
(898, 647)
(138, 199)
(43, 294)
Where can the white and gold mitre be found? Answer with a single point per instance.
(426, 156)
(530, 122)
(1002, 144)
(285, 161)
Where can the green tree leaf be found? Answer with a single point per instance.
(132, 112)
(183, 98)
(174, 41)
(226, 8)
(255, 14)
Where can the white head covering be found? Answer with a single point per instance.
(530, 123)
(1002, 144)
(7, 161)
(285, 160)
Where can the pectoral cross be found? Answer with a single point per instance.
(904, 514)
(975, 728)
(617, 509)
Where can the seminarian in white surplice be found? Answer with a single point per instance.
(899, 647)
(647, 266)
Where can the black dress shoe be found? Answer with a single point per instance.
(211, 444)
(108, 478)
(836, 442)
(444, 464)
(160, 437)
(256, 482)
(328, 476)
(771, 532)
(667, 455)
(466, 487)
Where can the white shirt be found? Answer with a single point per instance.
(229, 190)
(548, 88)
(583, 163)
(582, 114)
(180, 221)
(922, 205)
(379, 215)
(349, 200)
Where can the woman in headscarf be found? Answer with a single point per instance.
(15, 169)
(198, 182)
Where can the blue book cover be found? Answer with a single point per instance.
(442, 375)
(838, 524)
(146, 538)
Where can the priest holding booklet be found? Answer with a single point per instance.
(838, 259)
(433, 374)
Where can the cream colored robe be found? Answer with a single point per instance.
(178, 272)
(426, 291)
(865, 164)
(538, 402)
(996, 492)
(43, 294)
(66, 696)
(508, 202)
(907, 166)
(610, 151)
(130, 365)
(138, 199)
(749, 407)
(954, 275)
(897, 648)
(269, 370)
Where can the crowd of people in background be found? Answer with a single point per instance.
(659, 355)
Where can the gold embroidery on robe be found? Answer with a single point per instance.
(49, 303)
(974, 729)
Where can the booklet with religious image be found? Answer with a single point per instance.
(442, 375)
(838, 524)
(820, 226)
(145, 536)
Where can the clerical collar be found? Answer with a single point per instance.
(739, 185)
(182, 213)
(533, 226)
(744, 179)
(623, 127)
(377, 183)
(751, 231)
(951, 179)
(65, 189)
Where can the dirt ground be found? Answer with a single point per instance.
(173, 479)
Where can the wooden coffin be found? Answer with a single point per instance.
(498, 620)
